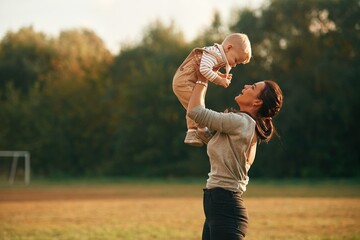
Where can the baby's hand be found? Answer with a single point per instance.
(225, 82)
(223, 75)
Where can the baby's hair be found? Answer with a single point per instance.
(242, 41)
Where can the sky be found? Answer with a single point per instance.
(115, 21)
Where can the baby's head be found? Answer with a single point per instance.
(237, 49)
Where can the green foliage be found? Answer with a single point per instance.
(152, 119)
(313, 54)
(81, 111)
(25, 56)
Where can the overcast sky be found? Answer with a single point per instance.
(114, 21)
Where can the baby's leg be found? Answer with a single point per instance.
(191, 134)
(184, 95)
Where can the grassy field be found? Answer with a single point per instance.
(145, 210)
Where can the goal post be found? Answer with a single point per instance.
(15, 155)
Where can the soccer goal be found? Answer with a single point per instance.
(15, 156)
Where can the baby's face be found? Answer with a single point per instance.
(234, 55)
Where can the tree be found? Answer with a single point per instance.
(82, 111)
(81, 56)
(311, 48)
(153, 121)
(55, 101)
(25, 56)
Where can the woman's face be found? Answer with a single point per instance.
(249, 95)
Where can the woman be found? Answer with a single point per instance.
(231, 152)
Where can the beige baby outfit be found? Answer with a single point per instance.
(186, 75)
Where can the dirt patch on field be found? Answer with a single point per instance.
(120, 191)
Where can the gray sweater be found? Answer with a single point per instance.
(232, 149)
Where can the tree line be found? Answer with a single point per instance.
(83, 111)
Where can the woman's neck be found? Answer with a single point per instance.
(250, 111)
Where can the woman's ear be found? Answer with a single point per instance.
(257, 102)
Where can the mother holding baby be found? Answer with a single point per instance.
(231, 152)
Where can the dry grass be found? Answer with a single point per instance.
(167, 211)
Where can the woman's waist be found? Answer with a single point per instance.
(232, 185)
(223, 191)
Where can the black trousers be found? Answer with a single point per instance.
(225, 215)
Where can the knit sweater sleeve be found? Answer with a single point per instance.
(223, 122)
(206, 66)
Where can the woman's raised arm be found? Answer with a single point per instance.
(199, 92)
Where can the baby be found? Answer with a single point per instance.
(235, 49)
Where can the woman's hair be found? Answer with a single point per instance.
(272, 98)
